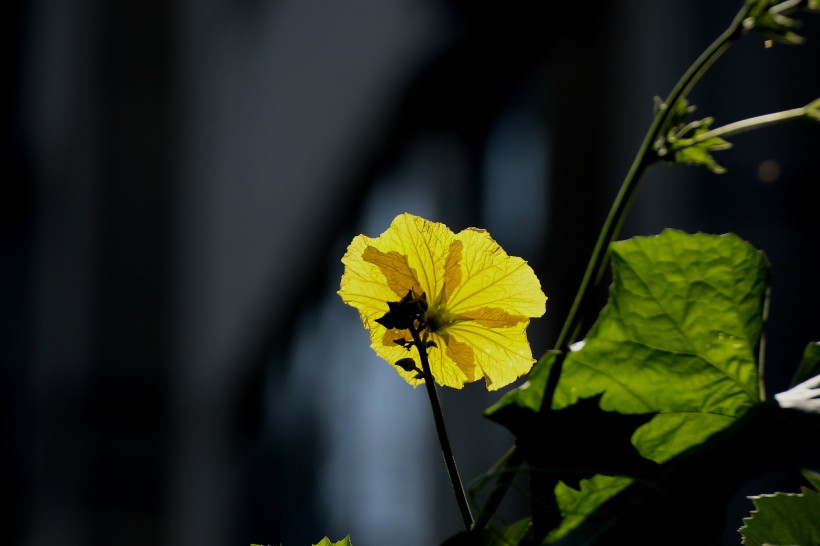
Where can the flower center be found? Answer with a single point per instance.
(438, 318)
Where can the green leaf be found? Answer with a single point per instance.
(675, 346)
(698, 153)
(577, 504)
(813, 108)
(764, 16)
(528, 396)
(812, 477)
(508, 535)
(809, 364)
(687, 143)
(326, 542)
(678, 338)
(783, 518)
(504, 535)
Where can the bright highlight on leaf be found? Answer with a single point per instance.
(473, 300)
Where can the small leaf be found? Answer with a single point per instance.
(326, 542)
(813, 108)
(809, 364)
(577, 504)
(685, 143)
(699, 154)
(764, 17)
(508, 535)
(406, 364)
(783, 518)
(503, 535)
(812, 477)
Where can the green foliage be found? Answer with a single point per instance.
(675, 346)
(769, 17)
(642, 432)
(783, 518)
(576, 505)
(687, 143)
(507, 535)
(326, 542)
(813, 478)
(678, 338)
(493, 535)
(528, 396)
(809, 364)
(813, 109)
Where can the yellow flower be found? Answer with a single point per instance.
(473, 301)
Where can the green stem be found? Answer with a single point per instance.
(750, 124)
(446, 450)
(511, 459)
(643, 159)
(786, 7)
(612, 226)
(761, 347)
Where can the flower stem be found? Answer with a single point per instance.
(446, 450)
(757, 122)
(644, 158)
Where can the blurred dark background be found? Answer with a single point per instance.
(183, 178)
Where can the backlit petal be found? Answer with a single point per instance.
(452, 363)
(492, 318)
(501, 355)
(424, 243)
(491, 278)
(452, 269)
(363, 285)
(480, 300)
(399, 275)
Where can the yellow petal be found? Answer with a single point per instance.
(399, 276)
(492, 318)
(363, 286)
(492, 279)
(472, 282)
(452, 270)
(382, 343)
(424, 243)
(409, 255)
(452, 363)
(500, 355)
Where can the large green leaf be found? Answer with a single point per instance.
(676, 346)
(677, 338)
